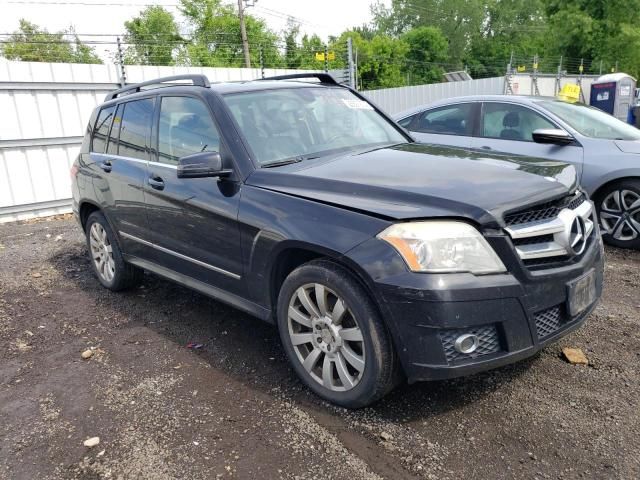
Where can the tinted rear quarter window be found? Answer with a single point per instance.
(112, 146)
(101, 130)
(136, 129)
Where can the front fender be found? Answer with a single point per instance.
(272, 222)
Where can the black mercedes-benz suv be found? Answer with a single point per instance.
(303, 204)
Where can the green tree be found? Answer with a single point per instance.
(153, 38)
(426, 56)
(216, 38)
(33, 44)
(595, 30)
(516, 26)
(291, 49)
(381, 59)
(458, 20)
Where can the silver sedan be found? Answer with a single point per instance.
(604, 150)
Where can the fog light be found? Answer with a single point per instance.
(466, 343)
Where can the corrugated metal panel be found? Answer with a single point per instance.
(395, 100)
(45, 108)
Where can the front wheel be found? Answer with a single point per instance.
(334, 337)
(619, 213)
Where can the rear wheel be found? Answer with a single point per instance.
(334, 337)
(106, 258)
(619, 213)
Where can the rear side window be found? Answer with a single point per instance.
(112, 146)
(101, 130)
(507, 121)
(185, 127)
(136, 129)
(449, 120)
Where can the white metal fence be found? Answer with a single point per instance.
(44, 111)
(45, 107)
(395, 100)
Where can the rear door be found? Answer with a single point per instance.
(447, 125)
(193, 220)
(121, 151)
(508, 127)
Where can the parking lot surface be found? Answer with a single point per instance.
(233, 407)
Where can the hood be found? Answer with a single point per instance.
(628, 146)
(413, 181)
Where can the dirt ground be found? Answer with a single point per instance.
(234, 408)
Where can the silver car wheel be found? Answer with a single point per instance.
(102, 252)
(326, 337)
(620, 215)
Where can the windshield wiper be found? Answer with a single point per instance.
(279, 163)
(288, 161)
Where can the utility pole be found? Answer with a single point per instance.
(558, 85)
(508, 89)
(352, 77)
(534, 78)
(123, 72)
(326, 59)
(243, 33)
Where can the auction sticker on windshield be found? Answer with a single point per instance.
(356, 104)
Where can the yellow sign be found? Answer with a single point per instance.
(535, 66)
(331, 56)
(570, 93)
(522, 68)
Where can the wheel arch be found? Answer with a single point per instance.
(292, 255)
(601, 188)
(86, 208)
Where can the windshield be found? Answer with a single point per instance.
(308, 122)
(591, 122)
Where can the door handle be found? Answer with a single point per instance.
(486, 147)
(156, 182)
(106, 165)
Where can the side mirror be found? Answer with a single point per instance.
(201, 165)
(554, 136)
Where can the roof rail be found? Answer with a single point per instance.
(322, 77)
(198, 80)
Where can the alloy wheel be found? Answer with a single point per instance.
(620, 215)
(102, 252)
(326, 337)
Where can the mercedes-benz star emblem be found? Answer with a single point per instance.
(577, 238)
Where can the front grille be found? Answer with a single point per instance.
(544, 211)
(532, 240)
(489, 342)
(542, 236)
(548, 321)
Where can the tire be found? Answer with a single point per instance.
(106, 258)
(349, 336)
(618, 208)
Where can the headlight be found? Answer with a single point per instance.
(442, 247)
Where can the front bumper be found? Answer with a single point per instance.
(515, 315)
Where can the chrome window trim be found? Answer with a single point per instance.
(137, 160)
(179, 255)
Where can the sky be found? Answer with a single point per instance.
(324, 17)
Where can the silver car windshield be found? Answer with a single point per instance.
(308, 122)
(591, 122)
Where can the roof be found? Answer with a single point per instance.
(614, 77)
(523, 99)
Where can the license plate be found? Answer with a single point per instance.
(582, 293)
